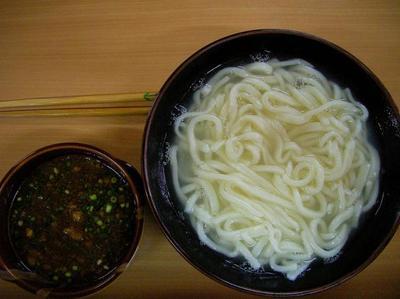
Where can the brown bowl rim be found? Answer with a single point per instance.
(116, 165)
(148, 191)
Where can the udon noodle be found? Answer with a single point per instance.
(272, 163)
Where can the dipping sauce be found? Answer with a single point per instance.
(71, 220)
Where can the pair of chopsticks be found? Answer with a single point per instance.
(93, 105)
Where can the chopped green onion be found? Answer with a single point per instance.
(55, 170)
(93, 197)
(113, 180)
(75, 267)
(68, 274)
(113, 199)
(99, 261)
(108, 208)
(99, 222)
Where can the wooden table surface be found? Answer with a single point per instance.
(58, 48)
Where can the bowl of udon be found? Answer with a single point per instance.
(270, 162)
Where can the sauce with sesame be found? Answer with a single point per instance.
(71, 220)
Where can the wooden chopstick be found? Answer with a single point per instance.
(73, 100)
(105, 111)
(51, 106)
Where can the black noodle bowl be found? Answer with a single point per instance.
(377, 226)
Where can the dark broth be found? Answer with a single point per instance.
(71, 220)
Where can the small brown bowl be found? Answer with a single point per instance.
(10, 268)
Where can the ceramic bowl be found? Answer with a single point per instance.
(379, 224)
(11, 268)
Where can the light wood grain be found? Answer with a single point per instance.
(62, 48)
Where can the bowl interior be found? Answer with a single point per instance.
(11, 184)
(376, 227)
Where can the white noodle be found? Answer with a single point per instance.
(272, 164)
